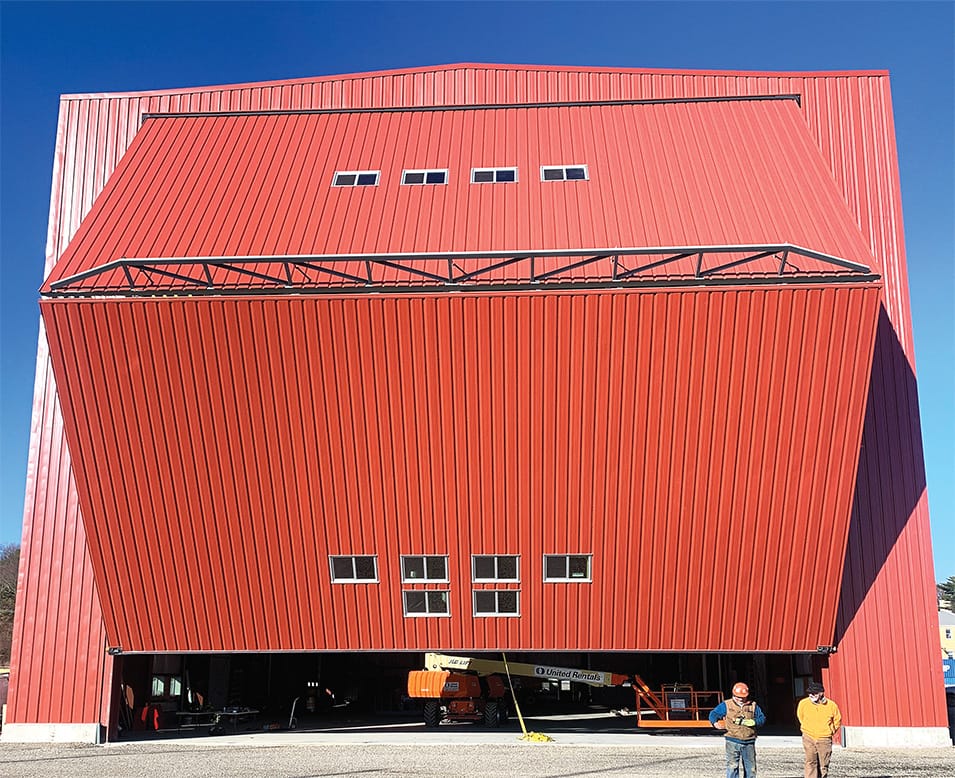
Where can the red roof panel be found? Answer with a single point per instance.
(671, 174)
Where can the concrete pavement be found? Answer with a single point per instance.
(582, 746)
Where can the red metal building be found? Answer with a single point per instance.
(620, 359)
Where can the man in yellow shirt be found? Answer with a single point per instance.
(819, 720)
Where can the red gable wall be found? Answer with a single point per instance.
(849, 117)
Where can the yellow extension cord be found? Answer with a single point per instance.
(534, 737)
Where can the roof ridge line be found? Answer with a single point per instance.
(425, 69)
(476, 107)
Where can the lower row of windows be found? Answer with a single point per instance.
(485, 602)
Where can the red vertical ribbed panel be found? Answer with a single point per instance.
(694, 173)
(243, 441)
(849, 117)
(59, 671)
(75, 671)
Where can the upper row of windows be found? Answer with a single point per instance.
(489, 567)
(479, 175)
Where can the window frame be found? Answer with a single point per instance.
(353, 557)
(568, 579)
(446, 614)
(497, 594)
(564, 169)
(171, 686)
(425, 171)
(425, 579)
(356, 174)
(494, 171)
(497, 578)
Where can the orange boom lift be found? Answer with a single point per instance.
(461, 688)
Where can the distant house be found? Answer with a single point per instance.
(946, 631)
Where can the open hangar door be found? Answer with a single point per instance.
(166, 693)
(256, 690)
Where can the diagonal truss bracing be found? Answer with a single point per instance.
(684, 265)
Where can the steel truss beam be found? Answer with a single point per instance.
(655, 266)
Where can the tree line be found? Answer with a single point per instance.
(9, 565)
(946, 592)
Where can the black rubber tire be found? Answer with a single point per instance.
(432, 714)
(492, 714)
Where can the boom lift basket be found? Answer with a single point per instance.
(676, 706)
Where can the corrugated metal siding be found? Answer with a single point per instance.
(850, 119)
(53, 679)
(672, 174)
(666, 433)
(886, 557)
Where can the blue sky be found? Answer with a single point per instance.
(47, 49)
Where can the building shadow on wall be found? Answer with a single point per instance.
(891, 474)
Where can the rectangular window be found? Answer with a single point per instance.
(165, 687)
(564, 173)
(496, 602)
(493, 175)
(419, 569)
(567, 567)
(426, 603)
(494, 568)
(424, 177)
(948, 634)
(356, 178)
(351, 569)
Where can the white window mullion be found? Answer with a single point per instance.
(552, 173)
(569, 568)
(357, 178)
(358, 568)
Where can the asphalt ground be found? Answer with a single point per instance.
(581, 747)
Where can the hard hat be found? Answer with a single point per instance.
(741, 690)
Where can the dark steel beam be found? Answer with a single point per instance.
(168, 274)
(736, 263)
(228, 266)
(456, 262)
(669, 282)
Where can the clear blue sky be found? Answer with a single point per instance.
(53, 48)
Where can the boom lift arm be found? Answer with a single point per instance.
(466, 664)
